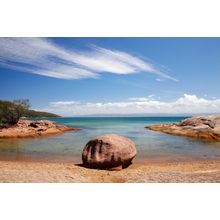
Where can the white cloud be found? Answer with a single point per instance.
(188, 104)
(63, 103)
(159, 80)
(148, 98)
(139, 99)
(42, 56)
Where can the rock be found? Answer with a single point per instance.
(108, 151)
(29, 128)
(201, 127)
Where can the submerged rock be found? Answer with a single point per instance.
(202, 127)
(108, 151)
(29, 128)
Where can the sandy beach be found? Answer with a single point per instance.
(175, 172)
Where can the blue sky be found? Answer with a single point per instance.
(79, 76)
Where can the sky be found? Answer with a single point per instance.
(96, 76)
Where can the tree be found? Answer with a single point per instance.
(25, 103)
(10, 113)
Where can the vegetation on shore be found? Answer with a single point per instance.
(37, 114)
(11, 112)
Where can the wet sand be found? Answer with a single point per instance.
(156, 172)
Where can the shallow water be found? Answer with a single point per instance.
(150, 145)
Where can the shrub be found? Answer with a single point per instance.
(10, 113)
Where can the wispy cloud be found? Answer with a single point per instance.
(187, 104)
(148, 98)
(42, 56)
(63, 103)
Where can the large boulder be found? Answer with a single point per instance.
(108, 151)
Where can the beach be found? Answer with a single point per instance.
(160, 158)
(207, 171)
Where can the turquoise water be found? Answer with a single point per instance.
(150, 145)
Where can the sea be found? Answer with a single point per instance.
(151, 145)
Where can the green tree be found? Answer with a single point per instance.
(10, 113)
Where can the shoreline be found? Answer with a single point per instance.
(198, 127)
(31, 129)
(199, 171)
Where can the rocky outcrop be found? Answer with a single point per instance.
(201, 127)
(108, 151)
(28, 128)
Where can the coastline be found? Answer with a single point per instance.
(176, 165)
(199, 127)
(29, 128)
(198, 171)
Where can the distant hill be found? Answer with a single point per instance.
(6, 107)
(37, 114)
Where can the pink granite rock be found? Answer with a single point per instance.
(29, 128)
(108, 151)
(201, 127)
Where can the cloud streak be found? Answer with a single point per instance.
(187, 104)
(63, 103)
(42, 56)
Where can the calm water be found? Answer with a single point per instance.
(150, 145)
